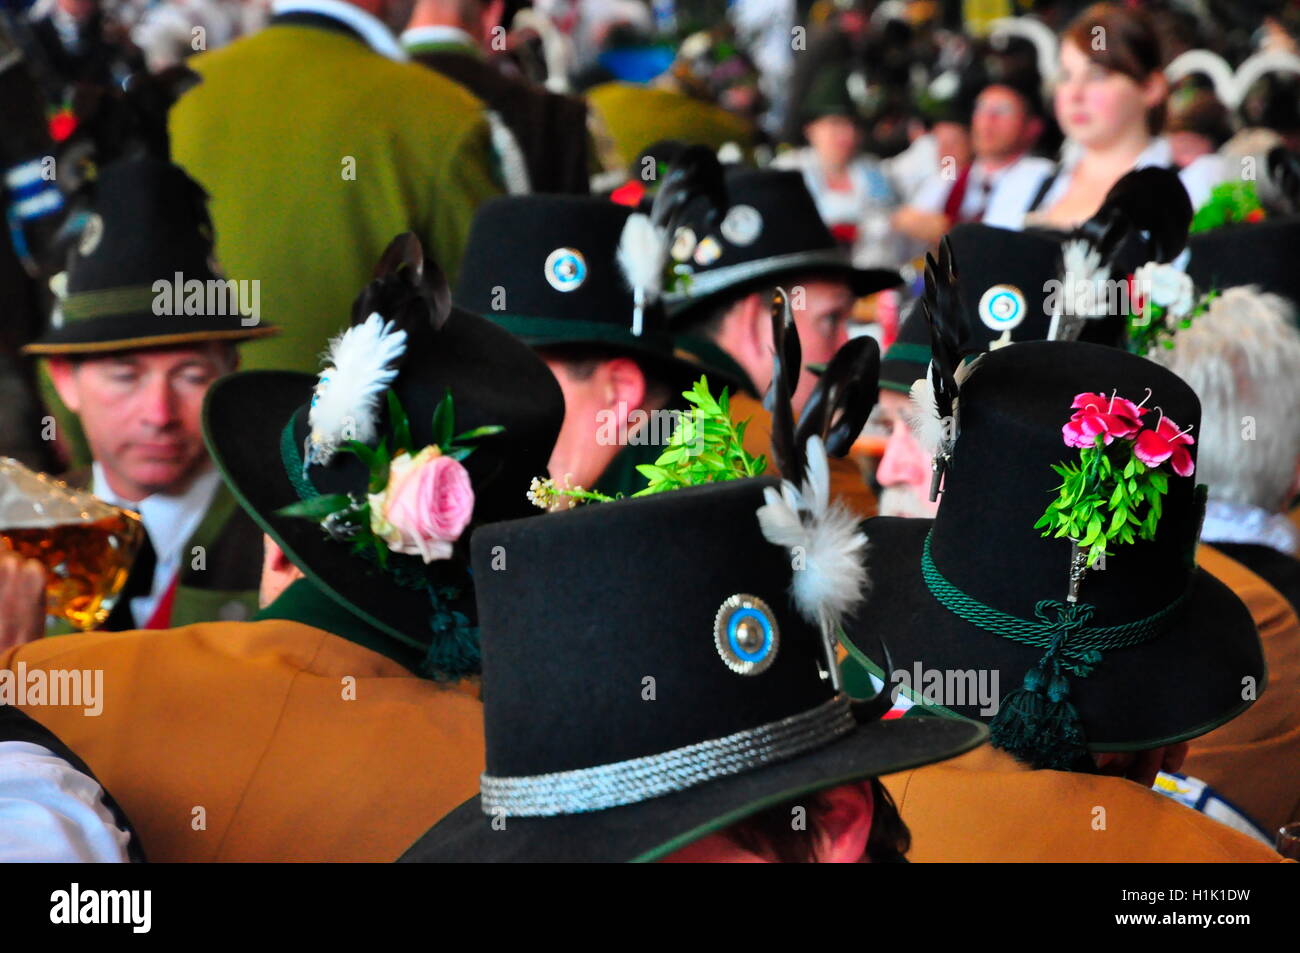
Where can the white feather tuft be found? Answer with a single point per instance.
(360, 366)
(642, 253)
(831, 579)
(923, 416)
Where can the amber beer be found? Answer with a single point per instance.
(86, 563)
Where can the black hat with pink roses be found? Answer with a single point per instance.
(1062, 558)
(424, 422)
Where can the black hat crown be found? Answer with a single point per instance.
(564, 284)
(771, 229)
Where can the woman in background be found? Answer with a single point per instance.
(1110, 103)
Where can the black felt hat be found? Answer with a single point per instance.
(1002, 274)
(624, 722)
(256, 424)
(771, 231)
(1261, 254)
(142, 273)
(565, 285)
(990, 569)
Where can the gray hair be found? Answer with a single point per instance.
(1242, 357)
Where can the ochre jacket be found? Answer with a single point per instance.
(847, 484)
(987, 806)
(1254, 760)
(265, 741)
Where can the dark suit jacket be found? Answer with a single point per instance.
(551, 128)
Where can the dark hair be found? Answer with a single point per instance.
(769, 832)
(581, 361)
(1132, 46)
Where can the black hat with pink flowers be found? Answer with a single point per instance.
(426, 422)
(1062, 560)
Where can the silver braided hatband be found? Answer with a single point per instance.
(640, 779)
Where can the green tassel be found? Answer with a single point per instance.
(454, 649)
(1016, 725)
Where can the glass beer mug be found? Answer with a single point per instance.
(86, 545)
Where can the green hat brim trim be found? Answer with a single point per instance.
(140, 342)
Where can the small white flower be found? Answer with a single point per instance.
(1166, 286)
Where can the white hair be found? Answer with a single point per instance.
(1242, 357)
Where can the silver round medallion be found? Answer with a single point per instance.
(1002, 307)
(746, 634)
(742, 225)
(566, 269)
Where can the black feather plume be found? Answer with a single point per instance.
(695, 174)
(839, 406)
(1148, 206)
(949, 335)
(867, 710)
(787, 453)
(408, 289)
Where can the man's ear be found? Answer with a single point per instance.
(846, 823)
(624, 383)
(63, 374)
(751, 338)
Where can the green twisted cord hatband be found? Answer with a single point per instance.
(293, 468)
(1085, 643)
(1037, 722)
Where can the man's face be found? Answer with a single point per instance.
(822, 324)
(904, 472)
(140, 411)
(999, 126)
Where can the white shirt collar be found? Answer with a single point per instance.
(1158, 152)
(377, 36)
(436, 33)
(1242, 523)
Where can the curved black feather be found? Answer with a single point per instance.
(949, 335)
(1283, 167)
(1149, 206)
(839, 406)
(408, 289)
(696, 173)
(787, 453)
(866, 710)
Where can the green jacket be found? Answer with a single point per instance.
(316, 151)
(640, 116)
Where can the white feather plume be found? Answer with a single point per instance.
(359, 367)
(922, 415)
(642, 252)
(804, 520)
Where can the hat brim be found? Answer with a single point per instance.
(1179, 685)
(749, 275)
(139, 331)
(650, 830)
(243, 417)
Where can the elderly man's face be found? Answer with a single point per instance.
(904, 472)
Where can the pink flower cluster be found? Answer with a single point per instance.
(1114, 418)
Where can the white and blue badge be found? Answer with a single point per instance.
(746, 634)
(1001, 308)
(566, 269)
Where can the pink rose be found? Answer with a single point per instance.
(1166, 442)
(1097, 414)
(425, 507)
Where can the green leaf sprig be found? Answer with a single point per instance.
(1104, 501)
(706, 447)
